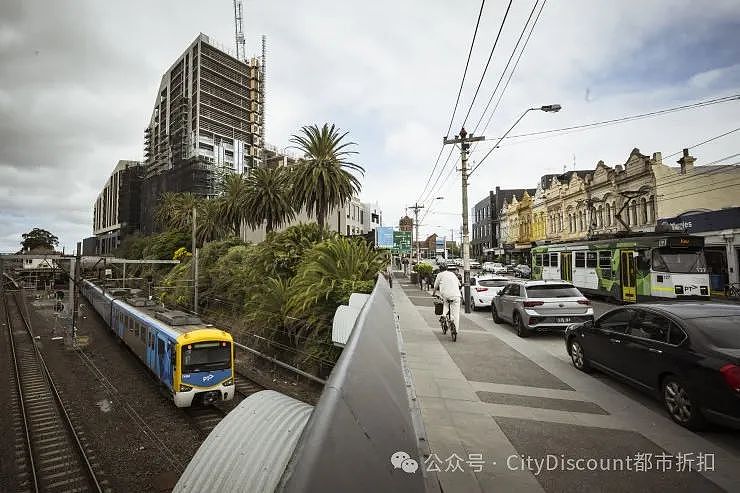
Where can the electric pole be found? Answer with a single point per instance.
(464, 140)
(416, 208)
(195, 264)
(76, 292)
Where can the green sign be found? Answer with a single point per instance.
(402, 242)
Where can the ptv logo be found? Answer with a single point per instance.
(208, 378)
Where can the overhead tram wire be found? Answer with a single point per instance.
(613, 121)
(490, 56)
(457, 100)
(424, 198)
(508, 62)
(700, 104)
(704, 142)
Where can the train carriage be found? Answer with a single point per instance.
(193, 361)
(629, 269)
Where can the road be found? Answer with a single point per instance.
(554, 345)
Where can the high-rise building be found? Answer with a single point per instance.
(116, 211)
(207, 120)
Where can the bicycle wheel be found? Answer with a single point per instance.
(443, 322)
(453, 331)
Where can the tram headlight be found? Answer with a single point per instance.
(185, 388)
(230, 381)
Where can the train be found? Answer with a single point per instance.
(192, 360)
(629, 269)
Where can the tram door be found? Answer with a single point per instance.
(566, 266)
(628, 276)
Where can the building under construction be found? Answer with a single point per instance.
(207, 121)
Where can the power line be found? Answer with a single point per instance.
(457, 101)
(513, 70)
(441, 172)
(704, 142)
(467, 63)
(639, 116)
(490, 56)
(508, 62)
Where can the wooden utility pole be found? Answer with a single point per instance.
(416, 207)
(464, 140)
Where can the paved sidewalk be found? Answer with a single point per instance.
(495, 396)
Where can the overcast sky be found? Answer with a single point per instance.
(78, 80)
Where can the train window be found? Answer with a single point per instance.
(142, 335)
(591, 260)
(580, 259)
(546, 260)
(554, 259)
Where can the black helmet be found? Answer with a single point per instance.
(442, 266)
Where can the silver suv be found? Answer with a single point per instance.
(534, 306)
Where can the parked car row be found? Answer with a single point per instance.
(685, 354)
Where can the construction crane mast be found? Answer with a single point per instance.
(241, 53)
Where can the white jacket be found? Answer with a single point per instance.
(447, 284)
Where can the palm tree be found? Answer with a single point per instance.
(321, 179)
(210, 224)
(175, 210)
(268, 198)
(234, 192)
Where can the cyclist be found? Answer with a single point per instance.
(448, 286)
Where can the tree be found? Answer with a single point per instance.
(234, 193)
(39, 238)
(268, 198)
(175, 210)
(321, 180)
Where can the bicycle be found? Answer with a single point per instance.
(732, 290)
(446, 321)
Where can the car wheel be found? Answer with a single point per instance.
(578, 356)
(496, 318)
(521, 330)
(682, 407)
(472, 304)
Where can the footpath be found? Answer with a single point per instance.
(503, 415)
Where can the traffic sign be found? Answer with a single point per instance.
(384, 237)
(402, 242)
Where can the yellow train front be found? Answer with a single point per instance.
(195, 362)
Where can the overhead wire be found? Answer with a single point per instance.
(712, 139)
(488, 62)
(457, 100)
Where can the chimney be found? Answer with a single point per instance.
(686, 162)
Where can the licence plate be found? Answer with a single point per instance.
(562, 320)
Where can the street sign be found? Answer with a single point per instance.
(402, 242)
(384, 237)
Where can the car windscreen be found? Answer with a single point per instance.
(553, 291)
(205, 356)
(722, 332)
(493, 283)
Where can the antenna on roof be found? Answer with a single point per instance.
(574, 162)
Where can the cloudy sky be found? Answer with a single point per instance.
(78, 81)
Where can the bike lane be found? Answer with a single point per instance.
(502, 414)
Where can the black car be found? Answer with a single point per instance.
(688, 354)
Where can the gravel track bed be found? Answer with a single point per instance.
(141, 439)
(8, 408)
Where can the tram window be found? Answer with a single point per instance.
(591, 260)
(536, 260)
(554, 259)
(580, 259)
(546, 260)
(605, 263)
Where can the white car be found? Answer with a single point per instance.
(495, 267)
(474, 264)
(483, 288)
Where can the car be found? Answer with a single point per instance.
(540, 306)
(483, 288)
(494, 267)
(687, 354)
(522, 270)
(474, 264)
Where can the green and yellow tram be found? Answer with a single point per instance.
(628, 269)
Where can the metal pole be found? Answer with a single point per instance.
(76, 292)
(418, 244)
(124, 275)
(195, 264)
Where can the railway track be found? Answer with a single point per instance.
(51, 455)
(206, 418)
